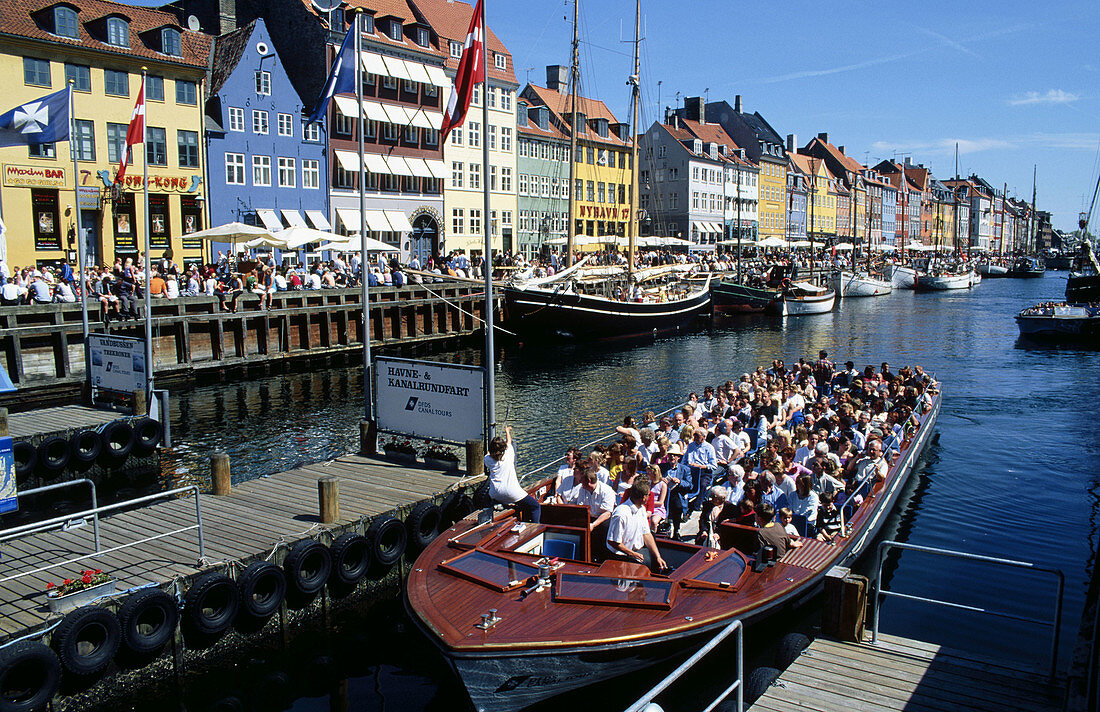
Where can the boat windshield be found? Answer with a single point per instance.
(725, 573)
(490, 570)
(609, 590)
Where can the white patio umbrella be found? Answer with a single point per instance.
(296, 236)
(843, 246)
(231, 232)
(882, 247)
(355, 244)
(771, 242)
(919, 247)
(801, 243)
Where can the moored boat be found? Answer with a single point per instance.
(945, 281)
(803, 298)
(852, 284)
(901, 276)
(1026, 267)
(1060, 322)
(1083, 284)
(732, 297)
(992, 269)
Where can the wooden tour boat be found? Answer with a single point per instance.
(1061, 322)
(731, 297)
(803, 298)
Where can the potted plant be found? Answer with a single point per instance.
(441, 457)
(73, 593)
(400, 450)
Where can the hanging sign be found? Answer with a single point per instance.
(438, 401)
(118, 363)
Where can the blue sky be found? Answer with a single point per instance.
(1014, 83)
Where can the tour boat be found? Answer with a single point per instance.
(945, 281)
(902, 277)
(1060, 322)
(731, 297)
(525, 612)
(859, 284)
(803, 298)
(1028, 267)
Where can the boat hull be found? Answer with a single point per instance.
(1083, 288)
(991, 270)
(902, 277)
(734, 298)
(811, 304)
(944, 282)
(1060, 327)
(850, 284)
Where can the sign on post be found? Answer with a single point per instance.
(8, 502)
(118, 363)
(438, 401)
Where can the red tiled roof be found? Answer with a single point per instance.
(451, 20)
(559, 104)
(17, 18)
(386, 8)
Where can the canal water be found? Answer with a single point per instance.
(1013, 473)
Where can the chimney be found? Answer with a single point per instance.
(557, 77)
(695, 108)
(840, 148)
(824, 136)
(792, 143)
(908, 162)
(737, 103)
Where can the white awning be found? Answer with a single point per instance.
(420, 119)
(376, 220)
(397, 114)
(435, 119)
(419, 167)
(376, 164)
(350, 218)
(438, 76)
(375, 112)
(715, 227)
(349, 161)
(438, 168)
(270, 220)
(396, 68)
(398, 166)
(418, 72)
(346, 105)
(319, 220)
(398, 221)
(372, 63)
(294, 218)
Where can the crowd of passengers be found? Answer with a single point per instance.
(786, 449)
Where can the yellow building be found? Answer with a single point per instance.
(101, 47)
(773, 196)
(821, 201)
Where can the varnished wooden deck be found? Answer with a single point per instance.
(247, 523)
(902, 674)
(58, 419)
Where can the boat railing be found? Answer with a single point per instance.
(1056, 623)
(736, 686)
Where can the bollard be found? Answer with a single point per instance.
(845, 605)
(138, 403)
(219, 473)
(3, 422)
(328, 498)
(368, 437)
(475, 457)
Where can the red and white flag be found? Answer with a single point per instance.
(471, 70)
(135, 134)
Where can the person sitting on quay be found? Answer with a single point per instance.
(628, 535)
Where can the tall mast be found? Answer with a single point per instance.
(1030, 230)
(574, 76)
(631, 225)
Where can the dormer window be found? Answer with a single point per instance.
(118, 32)
(456, 50)
(501, 61)
(170, 42)
(697, 146)
(395, 30)
(422, 36)
(65, 22)
(368, 24)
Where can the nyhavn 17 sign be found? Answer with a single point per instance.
(438, 401)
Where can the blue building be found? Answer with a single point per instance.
(266, 166)
(889, 215)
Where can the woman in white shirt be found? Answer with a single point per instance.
(504, 485)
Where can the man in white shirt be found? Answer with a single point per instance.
(628, 536)
(725, 448)
(871, 464)
(737, 432)
(596, 495)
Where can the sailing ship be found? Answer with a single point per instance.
(1083, 285)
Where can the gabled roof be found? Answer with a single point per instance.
(559, 104)
(399, 9)
(714, 133)
(451, 19)
(228, 50)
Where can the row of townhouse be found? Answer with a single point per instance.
(229, 87)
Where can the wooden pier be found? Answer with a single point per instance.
(901, 674)
(59, 419)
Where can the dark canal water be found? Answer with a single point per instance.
(1014, 472)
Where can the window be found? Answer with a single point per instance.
(80, 76)
(286, 172)
(412, 134)
(492, 95)
(492, 177)
(578, 189)
(456, 136)
(286, 125)
(116, 83)
(342, 178)
(343, 124)
(475, 222)
(234, 168)
(457, 219)
(116, 137)
(506, 179)
(545, 186)
(492, 137)
(431, 137)
(156, 146)
(622, 193)
(475, 175)
(263, 83)
(42, 150)
(170, 42)
(389, 82)
(368, 24)
(189, 148)
(187, 92)
(600, 192)
(370, 129)
(85, 140)
(395, 30)
(154, 88)
(591, 155)
(410, 87)
(506, 218)
(392, 132)
(475, 97)
(118, 32)
(422, 36)
(523, 184)
(311, 173)
(261, 170)
(506, 99)
(590, 191)
(64, 22)
(501, 61)
(474, 137)
(431, 90)
(259, 122)
(456, 174)
(36, 72)
(312, 132)
(236, 118)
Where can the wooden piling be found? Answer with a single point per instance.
(845, 605)
(475, 457)
(3, 422)
(219, 474)
(138, 402)
(328, 498)
(368, 437)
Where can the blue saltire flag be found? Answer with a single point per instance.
(341, 80)
(44, 120)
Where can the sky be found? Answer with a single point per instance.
(1014, 84)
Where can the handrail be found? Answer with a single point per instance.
(1056, 624)
(37, 526)
(734, 627)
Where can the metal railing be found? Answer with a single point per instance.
(1056, 623)
(733, 627)
(34, 527)
(40, 526)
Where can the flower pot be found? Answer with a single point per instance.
(401, 458)
(69, 601)
(436, 463)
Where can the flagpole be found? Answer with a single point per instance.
(82, 281)
(490, 353)
(368, 400)
(148, 257)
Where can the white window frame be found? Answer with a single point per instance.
(234, 169)
(311, 132)
(261, 169)
(286, 124)
(311, 173)
(260, 122)
(236, 118)
(288, 170)
(500, 60)
(263, 82)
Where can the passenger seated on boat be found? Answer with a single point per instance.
(598, 457)
(746, 510)
(628, 535)
(565, 478)
(768, 493)
(804, 502)
(658, 497)
(726, 449)
(716, 509)
(504, 485)
(849, 494)
(614, 462)
(590, 492)
(785, 517)
(828, 518)
(822, 480)
(701, 459)
(680, 483)
(771, 533)
(870, 465)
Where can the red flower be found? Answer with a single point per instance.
(49, 585)
(99, 571)
(87, 577)
(66, 582)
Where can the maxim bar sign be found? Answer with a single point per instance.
(33, 176)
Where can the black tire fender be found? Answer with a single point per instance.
(758, 682)
(351, 558)
(53, 456)
(118, 441)
(30, 674)
(481, 496)
(147, 435)
(388, 539)
(85, 447)
(148, 620)
(307, 567)
(790, 647)
(262, 588)
(26, 459)
(211, 604)
(86, 640)
(457, 506)
(424, 523)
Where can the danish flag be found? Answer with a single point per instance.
(471, 70)
(135, 134)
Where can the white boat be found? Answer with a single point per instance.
(803, 298)
(901, 277)
(990, 269)
(852, 284)
(945, 282)
(977, 277)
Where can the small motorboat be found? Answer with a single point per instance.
(946, 281)
(801, 298)
(992, 269)
(732, 297)
(1060, 322)
(1026, 267)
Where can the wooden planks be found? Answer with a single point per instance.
(58, 419)
(900, 674)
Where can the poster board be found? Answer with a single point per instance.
(118, 363)
(426, 399)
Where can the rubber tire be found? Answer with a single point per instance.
(388, 539)
(120, 434)
(148, 620)
(458, 507)
(147, 435)
(307, 567)
(28, 658)
(67, 637)
(217, 594)
(424, 523)
(758, 682)
(262, 588)
(481, 496)
(351, 558)
(85, 447)
(790, 647)
(26, 459)
(53, 456)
